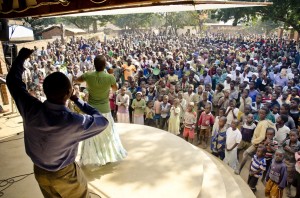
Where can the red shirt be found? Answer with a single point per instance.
(206, 119)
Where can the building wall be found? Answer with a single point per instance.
(38, 43)
(55, 32)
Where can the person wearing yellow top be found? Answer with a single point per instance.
(139, 106)
(149, 114)
(259, 136)
(172, 78)
(129, 69)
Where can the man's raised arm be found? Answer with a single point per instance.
(17, 87)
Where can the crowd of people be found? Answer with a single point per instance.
(238, 95)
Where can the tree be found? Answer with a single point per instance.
(286, 11)
(176, 20)
(133, 21)
(84, 22)
(263, 27)
(38, 24)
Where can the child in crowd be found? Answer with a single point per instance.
(271, 146)
(149, 114)
(218, 141)
(294, 111)
(205, 123)
(112, 104)
(182, 105)
(174, 121)
(274, 101)
(189, 123)
(257, 167)
(291, 146)
(144, 95)
(276, 176)
(122, 102)
(231, 112)
(242, 116)
(203, 102)
(151, 92)
(156, 106)
(233, 138)
(224, 102)
(217, 118)
(282, 130)
(201, 106)
(247, 131)
(165, 107)
(275, 111)
(138, 105)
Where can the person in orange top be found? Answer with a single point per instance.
(129, 69)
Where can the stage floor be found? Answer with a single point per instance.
(159, 164)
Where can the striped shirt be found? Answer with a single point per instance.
(258, 164)
(218, 141)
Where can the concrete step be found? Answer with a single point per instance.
(235, 186)
(213, 184)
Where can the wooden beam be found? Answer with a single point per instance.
(80, 6)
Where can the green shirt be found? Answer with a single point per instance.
(98, 85)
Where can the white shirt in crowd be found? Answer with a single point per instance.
(232, 137)
(281, 133)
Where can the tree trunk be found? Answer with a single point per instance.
(95, 28)
(62, 33)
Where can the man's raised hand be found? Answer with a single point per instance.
(25, 53)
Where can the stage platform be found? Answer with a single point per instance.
(158, 165)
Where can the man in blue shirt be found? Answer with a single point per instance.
(52, 132)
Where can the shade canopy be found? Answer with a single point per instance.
(46, 8)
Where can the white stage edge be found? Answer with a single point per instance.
(158, 165)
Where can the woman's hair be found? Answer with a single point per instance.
(100, 62)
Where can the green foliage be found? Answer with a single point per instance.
(286, 11)
(181, 19)
(84, 22)
(38, 24)
(134, 21)
(263, 26)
